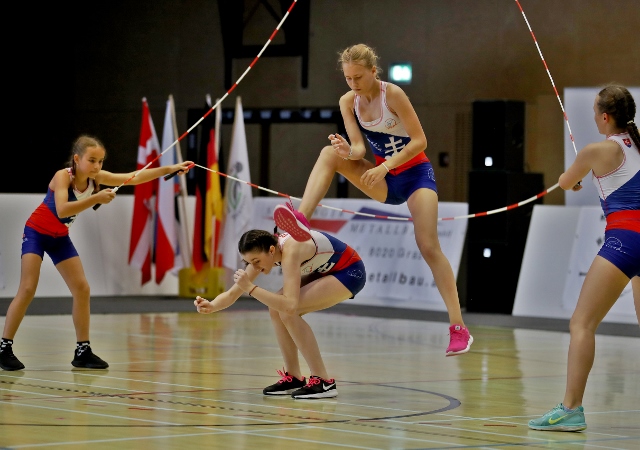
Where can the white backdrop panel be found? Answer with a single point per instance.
(588, 238)
(549, 256)
(398, 274)
(101, 238)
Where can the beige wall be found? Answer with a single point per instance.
(461, 50)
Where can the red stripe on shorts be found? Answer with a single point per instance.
(625, 220)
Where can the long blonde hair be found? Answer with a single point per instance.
(360, 54)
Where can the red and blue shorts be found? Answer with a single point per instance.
(58, 248)
(401, 186)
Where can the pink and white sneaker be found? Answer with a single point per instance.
(459, 340)
(293, 222)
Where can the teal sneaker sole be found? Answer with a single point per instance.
(559, 427)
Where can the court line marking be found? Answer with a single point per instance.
(140, 380)
(214, 432)
(212, 400)
(126, 418)
(131, 392)
(199, 388)
(307, 424)
(431, 425)
(294, 427)
(511, 435)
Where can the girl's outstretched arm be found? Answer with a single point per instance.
(226, 299)
(116, 179)
(580, 167)
(222, 301)
(60, 185)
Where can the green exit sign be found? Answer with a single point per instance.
(400, 73)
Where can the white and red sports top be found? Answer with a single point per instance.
(386, 134)
(331, 254)
(619, 190)
(45, 218)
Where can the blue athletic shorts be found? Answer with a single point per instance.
(404, 184)
(353, 277)
(58, 248)
(622, 249)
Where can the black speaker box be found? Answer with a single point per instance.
(492, 276)
(495, 243)
(489, 190)
(498, 134)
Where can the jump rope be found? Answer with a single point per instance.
(376, 216)
(264, 47)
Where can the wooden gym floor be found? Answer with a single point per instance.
(178, 379)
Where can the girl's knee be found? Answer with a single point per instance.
(82, 290)
(578, 324)
(26, 294)
(280, 316)
(288, 318)
(274, 314)
(430, 249)
(328, 156)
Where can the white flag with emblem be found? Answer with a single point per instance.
(238, 198)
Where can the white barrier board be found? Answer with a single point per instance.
(589, 237)
(101, 238)
(398, 276)
(561, 244)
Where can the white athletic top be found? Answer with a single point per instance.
(386, 134)
(620, 189)
(81, 195)
(331, 254)
(388, 122)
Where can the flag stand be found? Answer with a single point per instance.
(207, 283)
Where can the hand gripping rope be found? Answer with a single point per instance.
(115, 189)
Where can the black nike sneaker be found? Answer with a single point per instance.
(317, 388)
(286, 385)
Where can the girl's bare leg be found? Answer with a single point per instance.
(29, 275)
(319, 294)
(73, 275)
(423, 205)
(327, 165)
(601, 288)
(287, 346)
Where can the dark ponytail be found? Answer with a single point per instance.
(618, 102)
(632, 129)
(259, 240)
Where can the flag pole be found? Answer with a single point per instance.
(212, 247)
(184, 227)
(216, 134)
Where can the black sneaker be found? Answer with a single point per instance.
(317, 388)
(286, 385)
(88, 360)
(8, 360)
